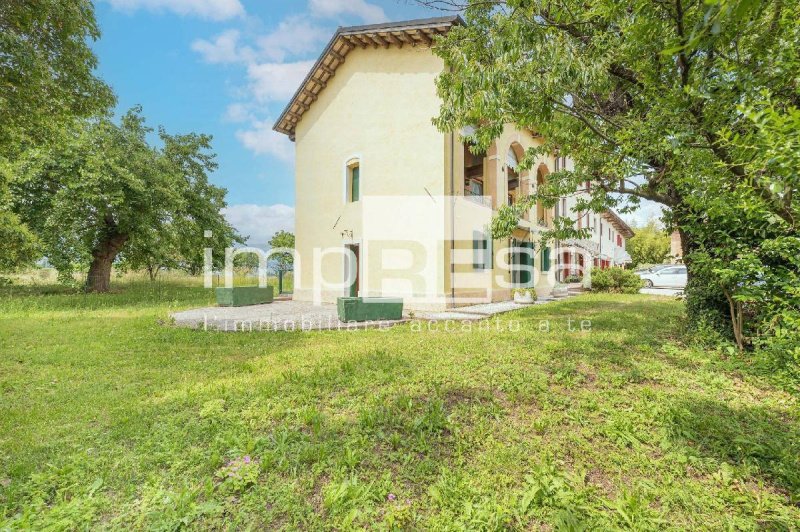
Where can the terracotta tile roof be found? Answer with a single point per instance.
(420, 32)
(618, 223)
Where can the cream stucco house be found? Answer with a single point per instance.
(407, 204)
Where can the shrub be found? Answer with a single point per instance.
(615, 280)
(524, 292)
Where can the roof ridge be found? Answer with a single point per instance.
(396, 33)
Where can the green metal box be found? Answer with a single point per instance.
(369, 308)
(240, 296)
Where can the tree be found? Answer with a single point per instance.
(179, 242)
(650, 245)
(283, 261)
(46, 81)
(102, 192)
(17, 243)
(655, 100)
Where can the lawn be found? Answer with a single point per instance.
(111, 418)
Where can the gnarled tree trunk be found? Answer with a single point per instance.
(103, 255)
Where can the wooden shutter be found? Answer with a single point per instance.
(354, 183)
(481, 251)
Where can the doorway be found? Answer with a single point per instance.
(352, 270)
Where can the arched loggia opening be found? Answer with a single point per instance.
(515, 178)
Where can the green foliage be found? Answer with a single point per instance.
(238, 474)
(282, 239)
(421, 430)
(47, 81)
(692, 105)
(17, 243)
(179, 241)
(102, 191)
(615, 280)
(47, 72)
(650, 245)
(525, 292)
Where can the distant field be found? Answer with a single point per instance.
(48, 277)
(111, 418)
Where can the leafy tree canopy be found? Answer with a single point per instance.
(649, 245)
(46, 81)
(282, 239)
(103, 193)
(46, 71)
(689, 104)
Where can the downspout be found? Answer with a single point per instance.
(452, 217)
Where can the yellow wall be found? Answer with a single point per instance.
(469, 216)
(378, 108)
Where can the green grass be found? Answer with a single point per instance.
(111, 418)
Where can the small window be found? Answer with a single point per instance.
(481, 251)
(353, 182)
(546, 259)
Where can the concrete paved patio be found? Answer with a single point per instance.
(291, 315)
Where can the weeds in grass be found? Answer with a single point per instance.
(110, 420)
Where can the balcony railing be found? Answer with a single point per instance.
(486, 201)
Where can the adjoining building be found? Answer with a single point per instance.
(411, 204)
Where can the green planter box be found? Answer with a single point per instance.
(240, 296)
(369, 308)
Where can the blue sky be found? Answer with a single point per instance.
(227, 68)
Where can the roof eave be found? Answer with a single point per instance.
(331, 49)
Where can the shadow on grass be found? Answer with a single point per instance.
(749, 436)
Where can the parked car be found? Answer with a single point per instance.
(670, 277)
(652, 269)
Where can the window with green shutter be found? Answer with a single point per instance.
(481, 251)
(354, 183)
(546, 259)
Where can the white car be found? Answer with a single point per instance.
(672, 277)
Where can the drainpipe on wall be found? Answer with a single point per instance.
(452, 217)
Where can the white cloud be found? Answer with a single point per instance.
(294, 35)
(276, 81)
(210, 9)
(237, 112)
(331, 8)
(647, 210)
(260, 222)
(223, 49)
(262, 140)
